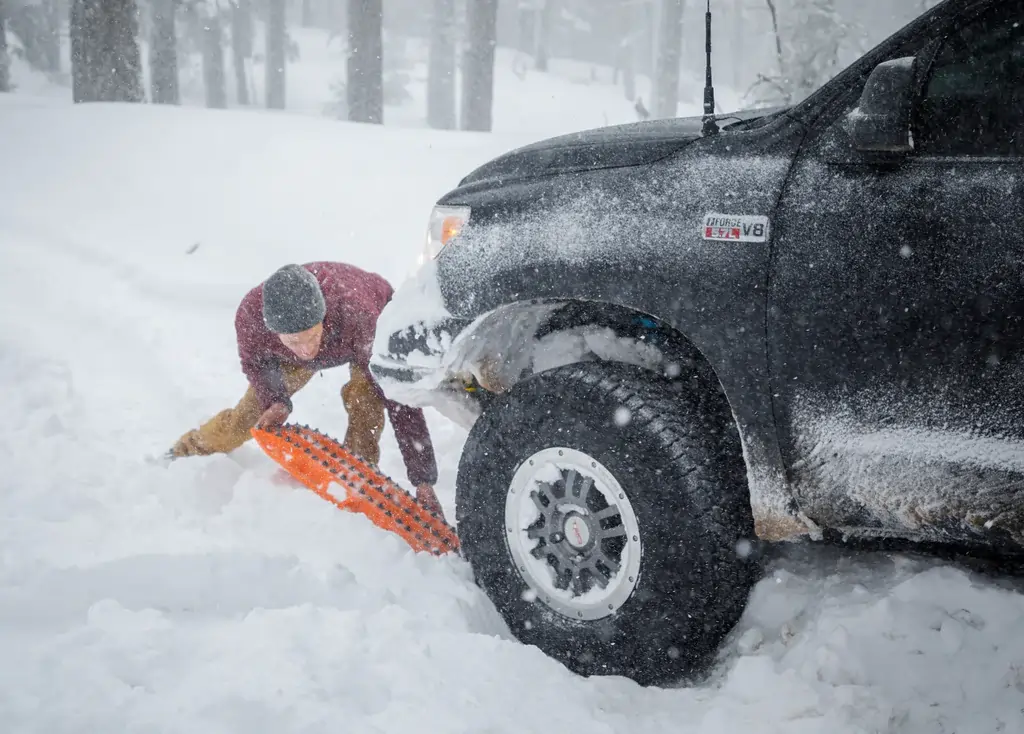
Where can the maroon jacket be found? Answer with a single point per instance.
(355, 299)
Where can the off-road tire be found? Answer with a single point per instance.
(680, 462)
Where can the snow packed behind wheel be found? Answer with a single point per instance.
(604, 511)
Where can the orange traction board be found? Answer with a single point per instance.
(318, 462)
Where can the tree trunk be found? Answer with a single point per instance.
(78, 29)
(629, 47)
(241, 47)
(106, 61)
(365, 77)
(441, 73)
(32, 24)
(666, 96)
(547, 15)
(276, 59)
(527, 27)
(478, 65)
(163, 54)
(51, 47)
(653, 15)
(780, 59)
(5, 69)
(629, 75)
(213, 63)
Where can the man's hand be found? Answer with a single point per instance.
(426, 497)
(274, 416)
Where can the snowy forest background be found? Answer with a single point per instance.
(435, 62)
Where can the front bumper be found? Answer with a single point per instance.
(412, 357)
(414, 363)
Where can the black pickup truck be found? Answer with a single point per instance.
(673, 342)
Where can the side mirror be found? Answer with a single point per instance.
(881, 121)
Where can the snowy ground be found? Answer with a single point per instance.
(215, 596)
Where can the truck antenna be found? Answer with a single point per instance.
(710, 126)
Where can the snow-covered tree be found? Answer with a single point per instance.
(478, 65)
(365, 70)
(810, 36)
(5, 67)
(631, 16)
(241, 46)
(276, 59)
(205, 33)
(105, 58)
(163, 53)
(37, 25)
(214, 77)
(441, 67)
(670, 39)
(545, 21)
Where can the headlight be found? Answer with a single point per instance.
(445, 223)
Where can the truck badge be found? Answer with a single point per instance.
(735, 228)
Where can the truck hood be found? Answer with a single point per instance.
(616, 146)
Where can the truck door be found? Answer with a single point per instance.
(895, 325)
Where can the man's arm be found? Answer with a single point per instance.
(267, 382)
(409, 424)
(261, 369)
(414, 443)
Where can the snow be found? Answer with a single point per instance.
(585, 342)
(338, 491)
(851, 451)
(213, 595)
(922, 444)
(417, 302)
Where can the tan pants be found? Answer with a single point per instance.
(231, 428)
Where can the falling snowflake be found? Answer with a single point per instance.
(622, 416)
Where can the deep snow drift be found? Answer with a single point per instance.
(215, 596)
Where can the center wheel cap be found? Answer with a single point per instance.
(576, 531)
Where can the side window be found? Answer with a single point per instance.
(973, 99)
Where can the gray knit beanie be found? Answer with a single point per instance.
(292, 300)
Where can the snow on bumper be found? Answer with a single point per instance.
(415, 333)
(423, 356)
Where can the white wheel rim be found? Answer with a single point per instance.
(581, 562)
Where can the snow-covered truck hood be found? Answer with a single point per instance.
(615, 146)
